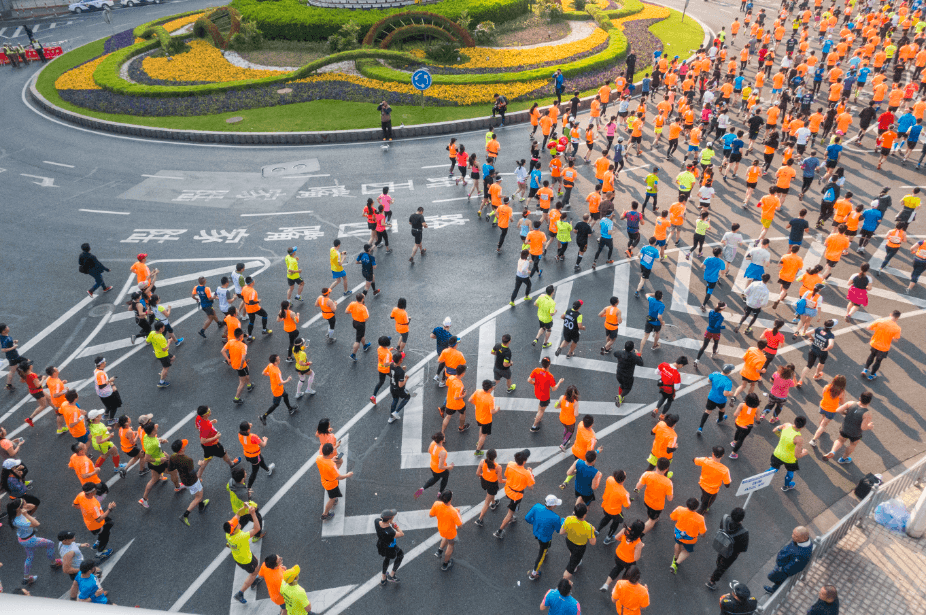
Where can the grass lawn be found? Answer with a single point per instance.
(679, 38)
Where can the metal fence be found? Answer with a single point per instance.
(915, 474)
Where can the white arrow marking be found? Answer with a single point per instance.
(106, 567)
(597, 408)
(621, 290)
(485, 359)
(47, 182)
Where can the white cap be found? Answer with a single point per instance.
(94, 414)
(552, 500)
(447, 322)
(9, 464)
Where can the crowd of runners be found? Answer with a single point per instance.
(800, 85)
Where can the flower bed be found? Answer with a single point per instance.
(203, 63)
(118, 41)
(175, 24)
(456, 70)
(81, 77)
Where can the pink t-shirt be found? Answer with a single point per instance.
(780, 386)
(386, 201)
(610, 129)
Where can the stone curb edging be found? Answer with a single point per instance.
(289, 138)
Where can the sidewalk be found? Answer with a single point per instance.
(874, 570)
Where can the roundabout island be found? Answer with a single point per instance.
(287, 67)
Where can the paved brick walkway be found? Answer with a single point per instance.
(874, 569)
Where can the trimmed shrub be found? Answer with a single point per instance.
(405, 32)
(485, 32)
(445, 52)
(292, 20)
(161, 20)
(248, 38)
(170, 45)
(409, 18)
(346, 38)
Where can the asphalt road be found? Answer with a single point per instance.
(63, 186)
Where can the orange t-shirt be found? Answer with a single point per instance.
(81, 464)
(91, 510)
(517, 479)
(629, 598)
(290, 320)
(358, 311)
(535, 240)
(251, 301)
(585, 441)
(567, 411)
(72, 413)
(593, 200)
(790, 265)
(689, 523)
(400, 317)
(276, 380)
(615, 497)
(769, 204)
(885, 332)
(747, 416)
(835, 245)
(785, 174)
(383, 360)
(662, 227)
(484, 403)
(327, 471)
(237, 353)
(677, 214)
(141, 271)
(231, 324)
(274, 579)
(713, 474)
(753, 361)
(454, 390)
(828, 402)
(658, 488)
(448, 519)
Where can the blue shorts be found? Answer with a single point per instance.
(338, 274)
(661, 242)
(828, 415)
(688, 547)
(692, 148)
(794, 243)
(754, 271)
(776, 91)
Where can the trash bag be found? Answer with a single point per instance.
(892, 515)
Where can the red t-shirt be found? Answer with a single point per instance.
(205, 427)
(669, 377)
(543, 381)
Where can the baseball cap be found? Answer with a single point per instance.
(177, 445)
(552, 500)
(142, 256)
(293, 249)
(95, 414)
(447, 322)
(389, 513)
(290, 575)
(741, 591)
(9, 464)
(65, 535)
(729, 367)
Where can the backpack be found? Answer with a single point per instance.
(725, 539)
(83, 265)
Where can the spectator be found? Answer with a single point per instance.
(500, 106)
(827, 603)
(91, 265)
(732, 525)
(739, 601)
(792, 558)
(559, 84)
(385, 117)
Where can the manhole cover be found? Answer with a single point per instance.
(285, 91)
(234, 120)
(102, 310)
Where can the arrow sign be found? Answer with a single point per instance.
(47, 182)
(421, 79)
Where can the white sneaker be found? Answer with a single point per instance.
(270, 469)
(299, 395)
(394, 417)
(311, 392)
(436, 378)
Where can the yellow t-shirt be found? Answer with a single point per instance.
(335, 259)
(240, 545)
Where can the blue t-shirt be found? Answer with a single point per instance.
(712, 268)
(715, 322)
(871, 218)
(644, 85)
(914, 135)
(87, 588)
(656, 307)
(818, 74)
(833, 151)
(855, 61)
(487, 169)
(443, 338)
(905, 122)
(535, 178)
(544, 521)
(738, 82)
(633, 221)
(584, 476)
(6, 341)
(559, 604)
(863, 74)
(367, 262)
(737, 145)
(607, 225)
(560, 80)
(827, 45)
(648, 256)
(720, 383)
(728, 140)
(23, 527)
(798, 226)
(809, 166)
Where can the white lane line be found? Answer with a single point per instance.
(484, 359)
(103, 211)
(317, 317)
(276, 213)
(195, 276)
(53, 326)
(179, 303)
(162, 176)
(598, 408)
(304, 176)
(107, 347)
(621, 290)
(59, 164)
(459, 198)
(435, 166)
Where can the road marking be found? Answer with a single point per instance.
(103, 211)
(913, 186)
(306, 176)
(276, 213)
(436, 166)
(162, 176)
(47, 182)
(59, 164)
(257, 261)
(356, 289)
(484, 369)
(598, 408)
(107, 347)
(621, 290)
(459, 198)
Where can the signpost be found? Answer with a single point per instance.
(685, 10)
(421, 80)
(753, 484)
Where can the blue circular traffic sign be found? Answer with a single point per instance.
(421, 79)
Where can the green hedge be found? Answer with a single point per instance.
(464, 37)
(601, 18)
(169, 44)
(417, 29)
(292, 20)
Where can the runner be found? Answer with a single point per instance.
(239, 542)
(546, 308)
(688, 526)
(544, 383)
(713, 267)
(754, 362)
(304, 369)
(448, 520)
(634, 219)
(857, 421)
(205, 298)
(587, 476)
(822, 342)
(791, 263)
(579, 534)
(367, 263)
(277, 390)
(35, 385)
(440, 469)
(572, 326)
(522, 276)
(130, 443)
(183, 465)
(833, 396)
(713, 474)
(387, 533)
(157, 461)
(232, 324)
(359, 313)
(837, 245)
(101, 440)
(756, 297)
(658, 490)
(654, 320)
(746, 418)
(670, 381)
(252, 445)
(271, 571)
(329, 471)
(612, 320)
(484, 403)
(235, 355)
(517, 479)
(161, 347)
(502, 367)
(337, 259)
(627, 362)
(96, 518)
(488, 475)
(449, 360)
(545, 523)
(208, 439)
(143, 274)
(418, 224)
(397, 382)
(383, 364)
(161, 314)
(789, 450)
(293, 274)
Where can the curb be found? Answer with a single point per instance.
(291, 138)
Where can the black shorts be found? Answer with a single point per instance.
(38, 394)
(532, 192)
(214, 450)
(417, 234)
(249, 568)
(209, 311)
(485, 428)
(866, 234)
(489, 486)
(611, 334)
(157, 468)
(885, 151)
(784, 190)
(751, 380)
(851, 233)
(135, 452)
(752, 184)
(588, 499)
(544, 403)
(368, 276)
(843, 434)
(243, 372)
(711, 405)
(570, 336)
(595, 215)
(736, 157)
(360, 329)
(451, 411)
(815, 355)
(403, 336)
(753, 134)
(831, 263)
(501, 372)
(293, 282)
(831, 164)
(652, 513)
(582, 246)
(334, 493)
(784, 284)
(546, 325)
(644, 272)
(514, 505)
(371, 226)
(651, 327)
(166, 361)
(777, 463)
(636, 139)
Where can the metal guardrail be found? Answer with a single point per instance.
(915, 474)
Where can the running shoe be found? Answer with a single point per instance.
(263, 420)
(28, 421)
(479, 523)
(143, 502)
(266, 331)
(353, 357)
(500, 534)
(202, 334)
(512, 388)
(419, 492)
(447, 565)
(238, 401)
(33, 578)
(367, 346)
(270, 469)
(393, 417)
(239, 596)
(62, 430)
(373, 399)
(844, 460)
(185, 520)
(163, 384)
(179, 341)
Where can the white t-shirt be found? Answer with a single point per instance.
(731, 242)
(705, 194)
(520, 174)
(759, 256)
(222, 295)
(71, 548)
(756, 295)
(236, 280)
(802, 135)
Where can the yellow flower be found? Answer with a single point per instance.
(176, 24)
(486, 57)
(202, 62)
(460, 94)
(650, 11)
(569, 5)
(80, 78)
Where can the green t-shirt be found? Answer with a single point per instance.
(563, 231)
(651, 181)
(240, 545)
(545, 308)
(99, 429)
(291, 263)
(701, 227)
(685, 180)
(158, 343)
(785, 448)
(152, 448)
(297, 602)
(578, 532)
